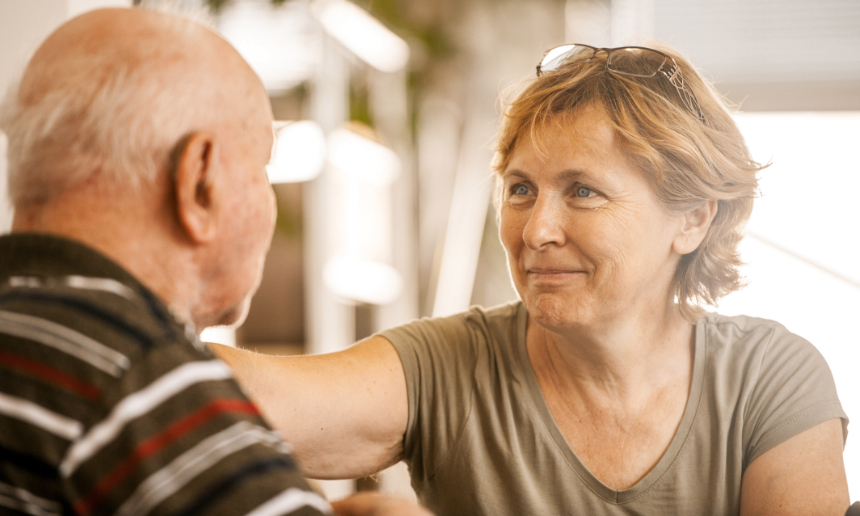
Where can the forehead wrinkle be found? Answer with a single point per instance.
(582, 135)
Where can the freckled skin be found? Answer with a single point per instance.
(586, 238)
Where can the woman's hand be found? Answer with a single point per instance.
(377, 504)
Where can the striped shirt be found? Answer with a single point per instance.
(110, 405)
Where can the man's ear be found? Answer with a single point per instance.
(695, 224)
(194, 162)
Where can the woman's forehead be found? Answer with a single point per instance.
(578, 134)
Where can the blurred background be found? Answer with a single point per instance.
(387, 111)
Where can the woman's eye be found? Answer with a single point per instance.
(521, 190)
(584, 191)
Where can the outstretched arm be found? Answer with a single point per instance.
(345, 413)
(804, 475)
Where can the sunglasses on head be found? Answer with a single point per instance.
(629, 61)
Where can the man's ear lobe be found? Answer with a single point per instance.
(695, 225)
(194, 163)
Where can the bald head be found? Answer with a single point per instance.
(146, 137)
(108, 94)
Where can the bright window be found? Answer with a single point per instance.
(802, 247)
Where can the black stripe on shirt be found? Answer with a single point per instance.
(86, 307)
(30, 463)
(240, 475)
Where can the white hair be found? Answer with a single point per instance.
(193, 10)
(114, 119)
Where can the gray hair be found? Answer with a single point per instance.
(114, 119)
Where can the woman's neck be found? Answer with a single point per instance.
(625, 360)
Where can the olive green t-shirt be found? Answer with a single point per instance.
(481, 440)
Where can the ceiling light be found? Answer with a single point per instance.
(362, 34)
(362, 158)
(299, 152)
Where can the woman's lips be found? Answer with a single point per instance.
(549, 270)
(552, 275)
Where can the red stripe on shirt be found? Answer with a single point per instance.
(50, 374)
(154, 444)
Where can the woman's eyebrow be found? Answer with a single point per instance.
(566, 176)
(515, 172)
(574, 174)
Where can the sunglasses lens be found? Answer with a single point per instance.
(636, 62)
(559, 56)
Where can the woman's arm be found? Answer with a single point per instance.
(345, 413)
(803, 475)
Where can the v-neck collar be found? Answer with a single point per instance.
(675, 446)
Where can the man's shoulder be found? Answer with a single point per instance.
(74, 345)
(59, 286)
(99, 386)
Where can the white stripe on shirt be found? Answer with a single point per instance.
(64, 339)
(183, 469)
(139, 403)
(103, 284)
(80, 282)
(25, 501)
(41, 417)
(289, 501)
(18, 505)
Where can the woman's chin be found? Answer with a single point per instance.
(556, 313)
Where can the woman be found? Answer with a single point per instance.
(623, 185)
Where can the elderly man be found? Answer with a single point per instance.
(137, 150)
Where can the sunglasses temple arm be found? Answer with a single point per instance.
(677, 80)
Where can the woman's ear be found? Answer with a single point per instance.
(695, 224)
(194, 162)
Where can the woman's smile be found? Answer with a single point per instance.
(538, 276)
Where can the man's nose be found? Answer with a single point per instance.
(546, 223)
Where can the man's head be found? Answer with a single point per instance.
(146, 136)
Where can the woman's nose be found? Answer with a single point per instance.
(546, 223)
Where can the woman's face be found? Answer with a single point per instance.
(588, 244)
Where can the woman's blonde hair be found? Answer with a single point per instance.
(686, 161)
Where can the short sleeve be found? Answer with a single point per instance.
(439, 357)
(794, 391)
